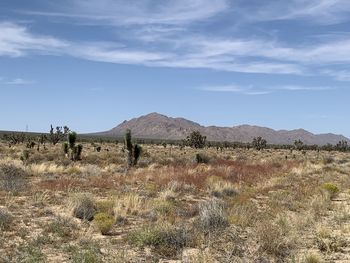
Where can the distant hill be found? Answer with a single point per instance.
(158, 126)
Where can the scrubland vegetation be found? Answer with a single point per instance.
(106, 202)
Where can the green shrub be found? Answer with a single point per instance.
(104, 222)
(166, 207)
(87, 252)
(25, 156)
(196, 140)
(106, 206)
(332, 189)
(61, 226)
(166, 240)
(201, 158)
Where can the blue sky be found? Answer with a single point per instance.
(91, 64)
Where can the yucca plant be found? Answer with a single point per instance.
(133, 150)
(69, 146)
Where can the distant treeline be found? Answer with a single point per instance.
(257, 143)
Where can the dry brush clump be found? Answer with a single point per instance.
(84, 207)
(166, 240)
(212, 216)
(6, 219)
(13, 178)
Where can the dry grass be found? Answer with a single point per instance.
(240, 206)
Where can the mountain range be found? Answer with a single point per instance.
(161, 127)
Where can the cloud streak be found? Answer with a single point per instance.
(19, 81)
(164, 34)
(326, 12)
(16, 41)
(131, 12)
(253, 90)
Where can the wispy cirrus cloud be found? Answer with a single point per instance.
(19, 81)
(236, 55)
(16, 40)
(167, 25)
(326, 12)
(340, 75)
(255, 90)
(131, 12)
(19, 41)
(16, 81)
(303, 88)
(234, 88)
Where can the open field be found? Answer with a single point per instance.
(238, 206)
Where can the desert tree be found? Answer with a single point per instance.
(70, 147)
(133, 150)
(259, 143)
(298, 144)
(58, 134)
(342, 146)
(196, 140)
(41, 139)
(15, 138)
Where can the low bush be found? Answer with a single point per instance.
(312, 258)
(84, 207)
(201, 158)
(276, 237)
(329, 242)
(332, 189)
(5, 219)
(104, 222)
(106, 206)
(86, 252)
(12, 178)
(62, 226)
(212, 216)
(167, 240)
(328, 160)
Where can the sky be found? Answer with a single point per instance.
(91, 64)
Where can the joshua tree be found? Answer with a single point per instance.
(259, 143)
(196, 140)
(298, 145)
(25, 156)
(133, 150)
(75, 150)
(342, 146)
(15, 138)
(57, 135)
(65, 148)
(41, 140)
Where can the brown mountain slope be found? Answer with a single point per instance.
(158, 126)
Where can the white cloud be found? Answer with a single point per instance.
(301, 88)
(245, 90)
(254, 90)
(224, 88)
(316, 11)
(18, 81)
(16, 41)
(133, 12)
(340, 75)
(189, 51)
